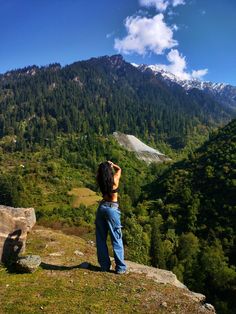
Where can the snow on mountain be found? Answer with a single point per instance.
(186, 84)
(142, 151)
(225, 93)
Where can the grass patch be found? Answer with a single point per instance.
(60, 286)
(83, 196)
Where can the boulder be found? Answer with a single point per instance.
(167, 277)
(28, 264)
(15, 223)
(157, 274)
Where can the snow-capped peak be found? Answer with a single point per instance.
(223, 92)
(186, 84)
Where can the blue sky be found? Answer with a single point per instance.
(190, 38)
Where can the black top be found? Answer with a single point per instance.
(115, 190)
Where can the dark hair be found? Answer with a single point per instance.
(105, 178)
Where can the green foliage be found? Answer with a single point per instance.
(11, 188)
(54, 131)
(199, 204)
(96, 95)
(180, 217)
(81, 216)
(157, 247)
(188, 253)
(137, 241)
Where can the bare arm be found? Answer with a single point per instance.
(117, 172)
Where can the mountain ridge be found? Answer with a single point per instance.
(103, 95)
(225, 91)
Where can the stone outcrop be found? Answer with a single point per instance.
(141, 150)
(157, 274)
(15, 223)
(167, 277)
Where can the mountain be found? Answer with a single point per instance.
(141, 150)
(196, 198)
(55, 128)
(101, 95)
(222, 92)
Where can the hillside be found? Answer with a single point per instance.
(64, 283)
(196, 205)
(101, 95)
(56, 180)
(56, 126)
(223, 93)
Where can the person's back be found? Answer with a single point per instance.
(108, 217)
(113, 195)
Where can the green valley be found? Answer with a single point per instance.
(56, 126)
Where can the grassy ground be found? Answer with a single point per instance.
(60, 285)
(83, 196)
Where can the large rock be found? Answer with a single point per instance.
(15, 223)
(157, 274)
(141, 150)
(167, 277)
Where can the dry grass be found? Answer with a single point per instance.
(83, 196)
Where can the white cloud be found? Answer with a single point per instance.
(146, 35)
(177, 2)
(198, 74)
(178, 66)
(152, 35)
(109, 35)
(171, 13)
(175, 27)
(161, 5)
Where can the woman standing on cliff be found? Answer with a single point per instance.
(108, 217)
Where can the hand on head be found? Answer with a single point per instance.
(110, 162)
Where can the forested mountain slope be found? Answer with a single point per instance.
(100, 95)
(222, 92)
(55, 127)
(195, 204)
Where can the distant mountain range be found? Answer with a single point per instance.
(225, 93)
(107, 94)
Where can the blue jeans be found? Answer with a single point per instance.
(108, 219)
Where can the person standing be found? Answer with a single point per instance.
(108, 218)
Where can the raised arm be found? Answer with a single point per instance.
(117, 173)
